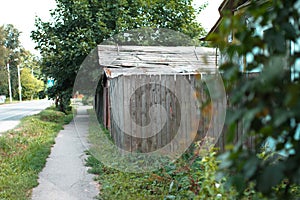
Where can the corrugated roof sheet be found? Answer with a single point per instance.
(129, 60)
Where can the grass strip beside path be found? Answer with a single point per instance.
(24, 150)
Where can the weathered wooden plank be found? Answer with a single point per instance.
(145, 106)
(178, 139)
(133, 113)
(116, 112)
(112, 114)
(154, 113)
(105, 107)
(121, 111)
(169, 109)
(114, 109)
(164, 111)
(127, 121)
(189, 112)
(195, 109)
(139, 108)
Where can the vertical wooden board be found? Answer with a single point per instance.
(183, 110)
(164, 111)
(120, 98)
(195, 118)
(202, 121)
(116, 113)
(131, 82)
(108, 109)
(133, 112)
(196, 84)
(176, 108)
(117, 109)
(99, 105)
(197, 90)
(105, 107)
(207, 113)
(178, 133)
(162, 138)
(213, 119)
(188, 117)
(127, 121)
(96, 106)
(152, 130)
(169, 109)
(158, 122)
(145, 105)
(112, 107)
(109, 90)
(159, 114)
(203, 114)
(151, 115)
(138, 96)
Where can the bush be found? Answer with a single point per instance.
(52, 116)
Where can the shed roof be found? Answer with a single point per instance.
(156, 60)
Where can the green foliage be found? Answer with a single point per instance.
(23, 153)
(78, 26)
(86, 100)
(193, 176)
(9, 52)
(3, 50)
(52, 116)
(3, 81)
(31, 86)
(268, 104)
(12, 53)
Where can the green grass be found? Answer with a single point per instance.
(24, 150)
(193, 176)
(190, 177)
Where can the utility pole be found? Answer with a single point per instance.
(9, 83)
(20, 86)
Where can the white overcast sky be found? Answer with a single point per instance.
(21, 13)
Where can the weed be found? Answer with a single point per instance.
(193, 176)
(23, 152)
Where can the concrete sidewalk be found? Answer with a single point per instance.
(65, 177)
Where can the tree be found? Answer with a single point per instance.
(268, 104)
(9, 53)
(3, 50)
(3, 72)
(3, 81)
(78, 26)
(31, 86)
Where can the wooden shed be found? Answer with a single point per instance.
(151, 97)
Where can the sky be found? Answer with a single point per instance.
(21, 13)
(210, 15)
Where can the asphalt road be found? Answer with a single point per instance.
(11, 114)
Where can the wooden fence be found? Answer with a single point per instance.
(146, 113)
